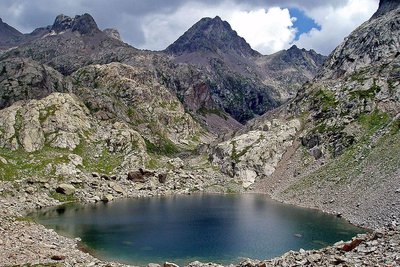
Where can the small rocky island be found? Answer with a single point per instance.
(85, 117)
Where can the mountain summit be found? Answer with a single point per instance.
(211, 35)
(84, 24)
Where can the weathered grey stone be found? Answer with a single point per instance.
(66, 189)
(107, 198)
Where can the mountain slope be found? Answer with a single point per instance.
(344, 155)
(245, 83)
(8, 35)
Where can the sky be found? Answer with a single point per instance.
(267, 25)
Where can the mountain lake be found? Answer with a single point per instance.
(205, 227)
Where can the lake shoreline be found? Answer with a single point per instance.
(24, 241)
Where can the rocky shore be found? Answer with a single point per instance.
(26, 243)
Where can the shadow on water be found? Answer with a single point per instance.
(204, 227)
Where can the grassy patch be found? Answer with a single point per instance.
(25, 164)
(49, 111)
(326, 99)
(163, 147)
(373, 121)
(384, 155)
(95, 160)
(365, 94)
(63, 198)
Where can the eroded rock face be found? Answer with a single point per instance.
(23, 79)
(132, 94)
(255, 154)
(58, 120)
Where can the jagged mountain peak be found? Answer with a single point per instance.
(84, 24)
(211, 35)
(386, 6)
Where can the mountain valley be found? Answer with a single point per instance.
(85, 117)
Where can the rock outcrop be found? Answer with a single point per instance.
(114, 33)
(58, 120)
(24, 79)
(83, 24)
(255, 155)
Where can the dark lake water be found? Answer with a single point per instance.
(204, 227)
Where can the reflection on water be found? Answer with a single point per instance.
(219, 228)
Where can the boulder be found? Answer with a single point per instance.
(170, 264)
(162, 178)
(117, 188)
(3, 160)
(65, 189)
(107, 198)
(139, 176)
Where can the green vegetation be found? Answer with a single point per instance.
(365, 94)
(326, 99)
(235, 156)
(163, 147)
(359, 76)
(63, 198)
(49, 111)
(373, 121)
(205, 111)
(383, 154)
(98, 160)
(25, 164)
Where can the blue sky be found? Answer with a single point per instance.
(267, 25)
(303, 23)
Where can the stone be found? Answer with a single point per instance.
(162, 178)
(170, 264)
(58, 257)
(3, 160)
(105, 177)
(117, 188)
(107, 198)
(153, 265)
(65, 189)
(139, 176)
(316, 153)
(75, 159)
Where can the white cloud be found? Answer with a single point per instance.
(336, 24)
(267, 31)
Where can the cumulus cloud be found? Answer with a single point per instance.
(154, 24)
(267, 31)
(336, 24)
